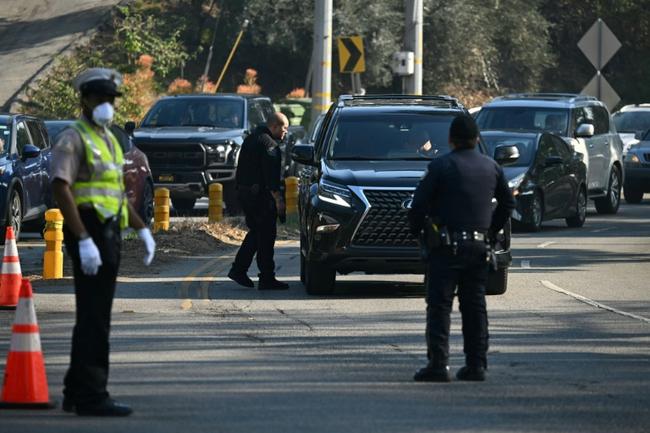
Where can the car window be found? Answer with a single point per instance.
(527, 147)
(267, 108)
(562, 148)
(255, 115)
(554, 120)
(22, 137)
(632, 121)
(583, 115)
(5, 139)
(546, 149)
(36, 134)
(601, 120)
(322, 131)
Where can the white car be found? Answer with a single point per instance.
(632, 121)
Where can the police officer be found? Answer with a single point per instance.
(89, 189)
(456, 194)
(258, 182)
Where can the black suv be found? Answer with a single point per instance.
(192, 141)
(357, 187)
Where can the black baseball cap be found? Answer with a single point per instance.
(100, 87)
(463, 127)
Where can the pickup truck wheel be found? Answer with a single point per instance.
(497, 282)
(183, 204)
(633, 196)
(610, 203)
(319, 279)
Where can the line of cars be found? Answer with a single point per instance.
(25, 158)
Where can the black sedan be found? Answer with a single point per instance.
(548, 179)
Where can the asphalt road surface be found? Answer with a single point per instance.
(569, 352)
(34, 31)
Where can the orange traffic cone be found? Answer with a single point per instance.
(10, 276)
(25, 383)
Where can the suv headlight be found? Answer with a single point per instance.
(335, 194)
(631, 158)
(516, 181)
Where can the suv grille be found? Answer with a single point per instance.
(386, 224)
(165, 156)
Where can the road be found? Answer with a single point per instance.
(570, 346)
(34, 31)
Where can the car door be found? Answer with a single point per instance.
(29, 171)
(567, 184)
(549, 176)
(41, 140)
(596, 148)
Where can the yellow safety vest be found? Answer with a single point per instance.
(105, 189)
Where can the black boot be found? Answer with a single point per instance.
(432, 373)
(240, 278)
(107, 407)
(473, 374)
(68, 405)
(270, 283)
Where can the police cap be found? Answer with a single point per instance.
(98, 81)
(463, 128)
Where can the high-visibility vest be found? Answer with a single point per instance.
(105, 189)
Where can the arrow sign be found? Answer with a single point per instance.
(351, 56)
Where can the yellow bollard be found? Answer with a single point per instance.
(291, 194)
(215, 209)
(161, 210)
(53, 257)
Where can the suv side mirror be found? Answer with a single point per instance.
(506, 154)
(129, 127)
(585, 130)
(303, 154)
(552, 160)
(30, 151)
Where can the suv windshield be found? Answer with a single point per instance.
(208, 112)
(5, 139)
(525, 145)
(390, 136)
(632, 121)
(554, 120)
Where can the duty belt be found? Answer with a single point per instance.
(467, 236)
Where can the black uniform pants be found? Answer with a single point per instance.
(86, 379)
(467, 270)
(261, 219)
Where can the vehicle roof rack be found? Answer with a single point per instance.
(434, 100)
(571, 97)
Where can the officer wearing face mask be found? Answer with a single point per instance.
(87, 183)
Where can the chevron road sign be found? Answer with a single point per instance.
(351, 56)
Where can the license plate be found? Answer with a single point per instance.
(166, 178)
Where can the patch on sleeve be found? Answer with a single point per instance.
(271, 146)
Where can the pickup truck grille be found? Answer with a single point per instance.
(385, 224)
(163, 156)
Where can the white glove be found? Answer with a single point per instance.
(149, 245)
(89, 255)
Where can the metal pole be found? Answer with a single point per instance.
(322, 81)
(230, 56)
(413, 42)
(600, 57)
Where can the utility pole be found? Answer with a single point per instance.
(322, 58)
(413, 42)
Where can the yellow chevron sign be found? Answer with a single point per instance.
(351, 56)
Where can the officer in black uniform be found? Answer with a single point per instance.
(456, 195)
(258, 181)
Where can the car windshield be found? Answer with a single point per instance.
(525, 145)
(632, 121)
(554, 120)
(5, 139)
(390, 136)
(208, 112)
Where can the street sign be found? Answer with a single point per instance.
(600, 88)
(351, 56)
(599, 44)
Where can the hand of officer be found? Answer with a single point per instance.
(91, 260)
(149, 245)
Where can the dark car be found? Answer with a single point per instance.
(194, 140)
(356, 189)
(637, 169)
(24, 166)
(137, 174)
(548, 180)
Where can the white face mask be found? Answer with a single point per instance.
(103, 114)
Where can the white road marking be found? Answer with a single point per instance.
(602, 230)
(546, 244)
(593, 303)
(525, 264)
